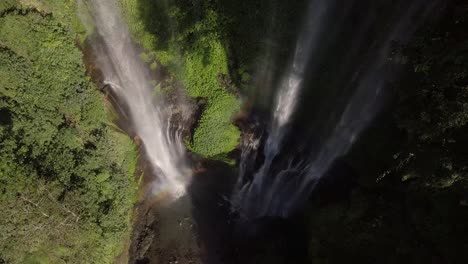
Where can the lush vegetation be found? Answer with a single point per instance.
(66, 185)
(192, 51)
(66, 173)
(215, 47)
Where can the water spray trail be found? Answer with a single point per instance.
(279, 193)
(289, 91)
(286, 100)
(362, 106)
(129, 78)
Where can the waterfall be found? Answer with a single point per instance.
(289, 89)
(287, 96)
(361, 74)
(129, 80)
(285, 105)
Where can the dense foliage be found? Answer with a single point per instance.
(66, 173)
(192, 51)
(214, 47)
(66, 186)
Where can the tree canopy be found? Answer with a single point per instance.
(66, 172)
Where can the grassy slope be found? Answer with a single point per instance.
(197, 62)
(66, 175)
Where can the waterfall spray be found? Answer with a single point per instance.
(361, 79)
(289, 89)
(285, 103)
(129, 79)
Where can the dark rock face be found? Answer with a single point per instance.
(164, 233)
(225, 237)
(269, 240)
(337, 184)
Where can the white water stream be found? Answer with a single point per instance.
(129, 78)
(276, 191)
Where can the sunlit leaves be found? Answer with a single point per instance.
(188, 43)
(66, 177)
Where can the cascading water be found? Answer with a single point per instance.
(361, 74)
(286, 99)
(129, 79)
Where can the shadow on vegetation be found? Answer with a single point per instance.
(247, 29)
(5, 117)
